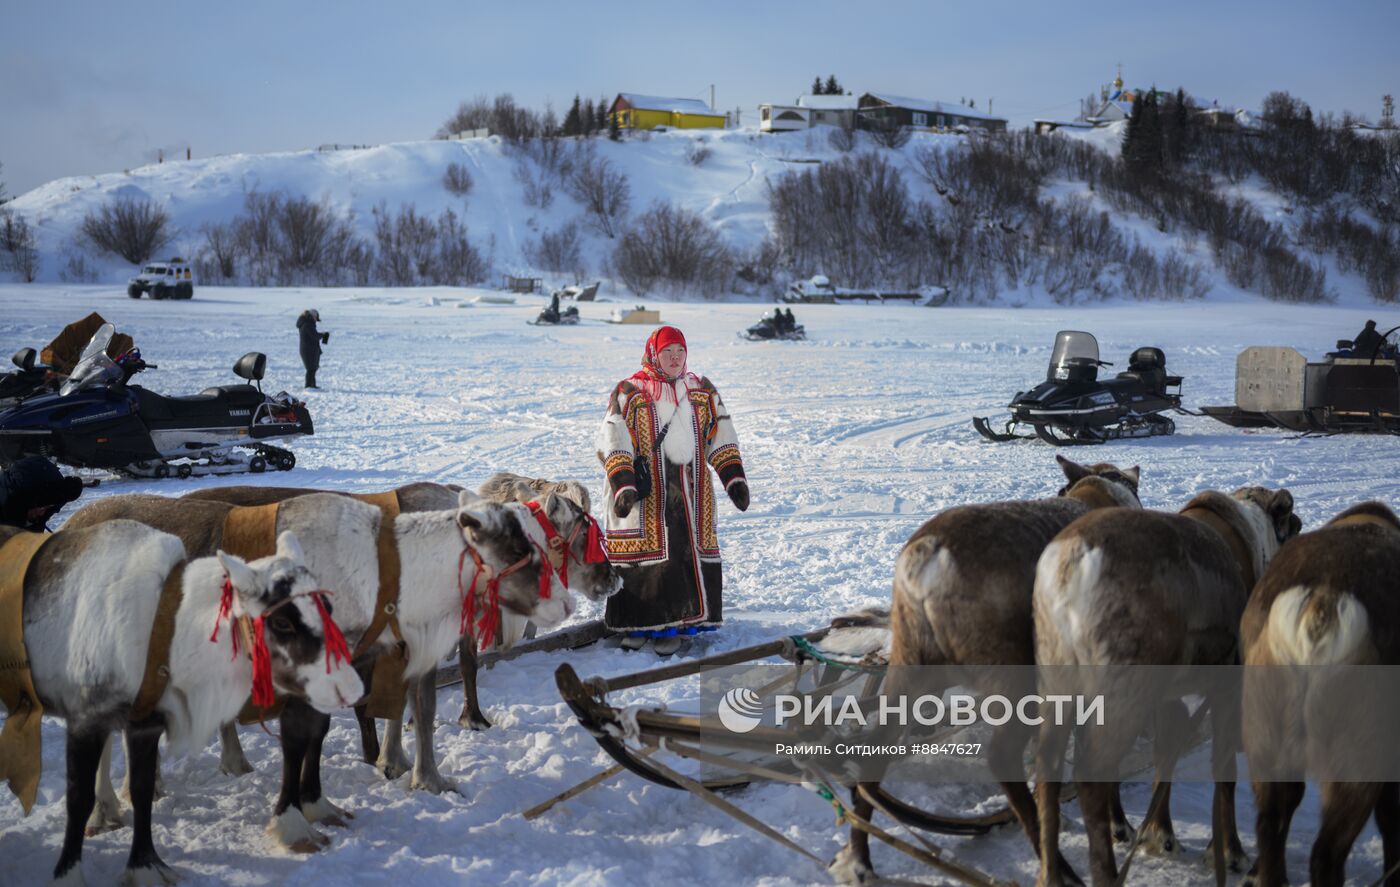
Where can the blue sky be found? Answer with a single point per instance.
(89, 87)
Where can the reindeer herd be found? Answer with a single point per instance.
(1093, 579)
(469, 570)
(1088, 578)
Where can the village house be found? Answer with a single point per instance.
(879, 109)
(634, 111)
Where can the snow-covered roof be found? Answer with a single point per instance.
(828, 102)
(661, 103)
(928, 105)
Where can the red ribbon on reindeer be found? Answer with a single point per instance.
(555, 543)
(594, 553)
(482, 630)
(263, 695)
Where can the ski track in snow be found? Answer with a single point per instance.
(851, 440)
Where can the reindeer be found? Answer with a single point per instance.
(91, 597)
(962, 597)
(1327, 600)
(437, 550)
(567, 511)
(592, 573)
(1148, 588)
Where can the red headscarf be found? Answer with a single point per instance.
(650, 377)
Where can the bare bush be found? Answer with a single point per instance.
(697, 153)
(413, 250)
(536, 188)
(676, 248)
(303, 234)
(602, 189)
(551, 155)
(558, 251)
(459, 263)
(128, 227)
(18, 248)
(842, 138)
(457, 180)
(889, 134)
(75, 268)
(850, 219)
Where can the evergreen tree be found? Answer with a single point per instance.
(1131, 137)
(573, 124)
(1178, 130)
(602, 111)
(614, 131)
(588, 119)
(817, 86)
(832, 87)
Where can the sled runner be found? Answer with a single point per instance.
(849, 657)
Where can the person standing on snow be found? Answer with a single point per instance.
(663, 539)
(311, 342)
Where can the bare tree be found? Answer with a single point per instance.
(129, 227)
(17, 241)
(221, 245)
(676, 247)
(602, 189)
(474, 114)
(558, 251)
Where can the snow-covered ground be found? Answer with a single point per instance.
(851, 440)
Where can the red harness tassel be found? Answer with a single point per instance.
(262, 668)
(335, 641)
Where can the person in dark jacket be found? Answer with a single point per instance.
(311, 342)
(32, 491)
(1368, 341)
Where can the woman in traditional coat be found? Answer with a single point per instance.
(664, 542)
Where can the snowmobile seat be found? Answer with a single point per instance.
(205, 408)
(239, 395)
(1149, 366)
(251, 366)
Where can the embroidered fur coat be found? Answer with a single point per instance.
(699, 429)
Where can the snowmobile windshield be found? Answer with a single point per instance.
(95, 367)
(99, 342)
(1074, 349)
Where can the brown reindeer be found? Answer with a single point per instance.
(1146, 588)
(962, 597)
(1327, 600)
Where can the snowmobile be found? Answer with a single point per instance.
(97, 420)
(553, 317)
(1072, 405)
(769, 328)
(1353, 390)
(28, 380)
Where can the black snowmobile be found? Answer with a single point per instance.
(1073, 406)
(771, 327)
(29, 380)
(98, 420)
(553, 315)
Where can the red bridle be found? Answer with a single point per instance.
(254, 637)
(593, 551)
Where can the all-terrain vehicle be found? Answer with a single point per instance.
(163, 280)
(98, 420)
(1073, 406)
(1354, 389)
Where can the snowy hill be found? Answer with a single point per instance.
(517, 196)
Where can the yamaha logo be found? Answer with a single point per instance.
(740, 710)
(240, 412)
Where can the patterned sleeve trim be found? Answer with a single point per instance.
(727, 463)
